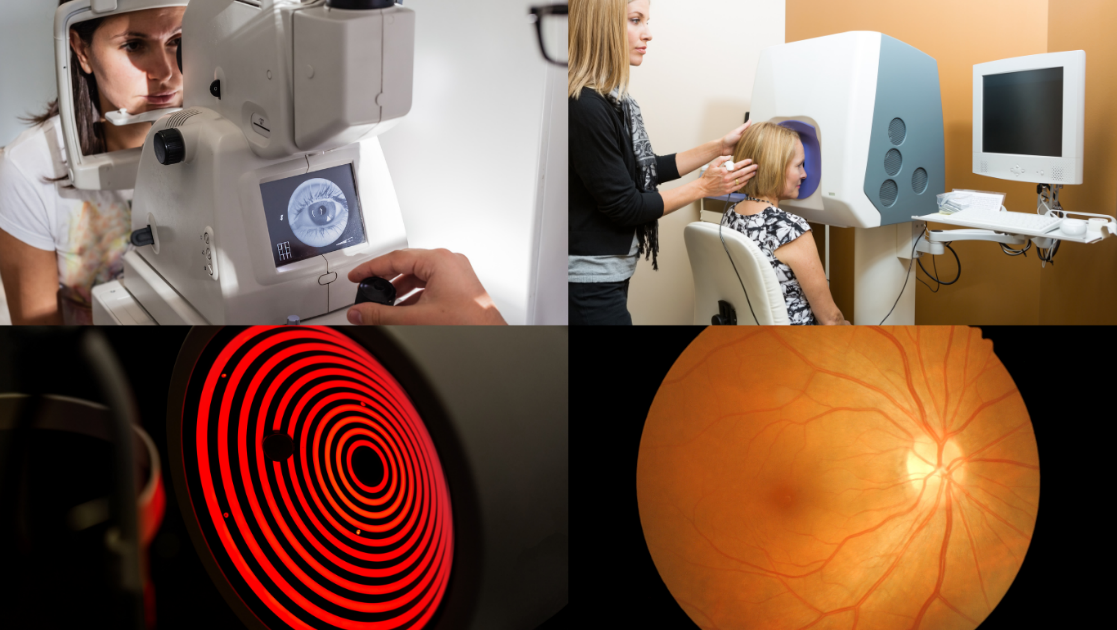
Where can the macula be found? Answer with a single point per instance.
(821, 478)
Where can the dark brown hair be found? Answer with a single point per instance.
(87, 105)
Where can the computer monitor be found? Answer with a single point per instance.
(1027, 118)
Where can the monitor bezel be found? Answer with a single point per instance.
(1035, 168)
(255, 222)
(357, 199)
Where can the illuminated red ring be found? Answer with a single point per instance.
(335, 552)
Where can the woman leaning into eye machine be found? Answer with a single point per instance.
(614, 205)
(56, 242)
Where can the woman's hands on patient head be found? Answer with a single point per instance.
(718, 181)
(449, 291)
(729, 142)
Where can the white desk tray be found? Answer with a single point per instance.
(1088, 237)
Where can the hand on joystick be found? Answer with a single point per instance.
(449, 291)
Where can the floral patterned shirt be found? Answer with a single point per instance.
(771, 229)
(88, 229)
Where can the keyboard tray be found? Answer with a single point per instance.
(1086, 237)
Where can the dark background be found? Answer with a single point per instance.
(1023, 113)
(615, 377)
(186, 598)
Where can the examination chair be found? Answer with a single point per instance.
(715, 280)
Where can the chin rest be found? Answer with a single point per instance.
(715, 281)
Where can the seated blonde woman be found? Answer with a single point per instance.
(784, 238)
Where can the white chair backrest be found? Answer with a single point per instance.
(714, 278)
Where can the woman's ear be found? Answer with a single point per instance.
(81, 50)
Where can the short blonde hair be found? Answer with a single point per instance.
(598, 46)
(771, 147)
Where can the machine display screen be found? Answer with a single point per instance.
(311, 214)
(1023, 113)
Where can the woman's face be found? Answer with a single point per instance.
(795, 175)
(133, 57)
(639, 34)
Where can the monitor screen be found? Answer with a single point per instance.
(311, 214)
(1023, 112)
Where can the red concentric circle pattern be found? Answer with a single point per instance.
(311, 540)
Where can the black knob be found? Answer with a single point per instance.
(143, 236)
(215, 88)
(726, 315)
(376, 289)
(357, 5)
(170, 148)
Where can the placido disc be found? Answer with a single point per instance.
(311, 487)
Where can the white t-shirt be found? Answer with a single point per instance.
(89, 229)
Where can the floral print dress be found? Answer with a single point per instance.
(771, 229)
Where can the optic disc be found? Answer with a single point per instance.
(932, 459)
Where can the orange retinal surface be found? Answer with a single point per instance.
(824, 478)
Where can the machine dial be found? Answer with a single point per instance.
(170, 147)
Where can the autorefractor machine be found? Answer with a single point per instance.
(254, 201)
(868, 110)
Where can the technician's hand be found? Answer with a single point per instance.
(450, 292)
(717, 181)
(729, 142)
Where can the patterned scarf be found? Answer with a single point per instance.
(647, 180)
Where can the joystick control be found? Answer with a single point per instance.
(376, 289)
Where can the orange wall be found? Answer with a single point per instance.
(995, 288)
(1082, 287)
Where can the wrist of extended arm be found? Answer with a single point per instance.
(682, 196)
(688, 161)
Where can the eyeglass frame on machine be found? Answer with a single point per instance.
(537, 15)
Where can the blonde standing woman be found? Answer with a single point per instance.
(614, 174)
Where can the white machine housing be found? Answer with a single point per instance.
(851, 88)
(298, 77)
(103, 171)
(212, 203)
(1065, 168)
(273, 91)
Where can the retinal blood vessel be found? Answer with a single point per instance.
(869, 478)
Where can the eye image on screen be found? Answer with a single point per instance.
(312, 214)
(318, 212)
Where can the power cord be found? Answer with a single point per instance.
(1049, 198)
(1016, 252)
(913, 246)
(723, 216)
(940, 283)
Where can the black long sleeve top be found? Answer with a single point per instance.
(605, 203)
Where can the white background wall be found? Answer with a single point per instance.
(465, 162)
(26, 62)
(694, 86)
